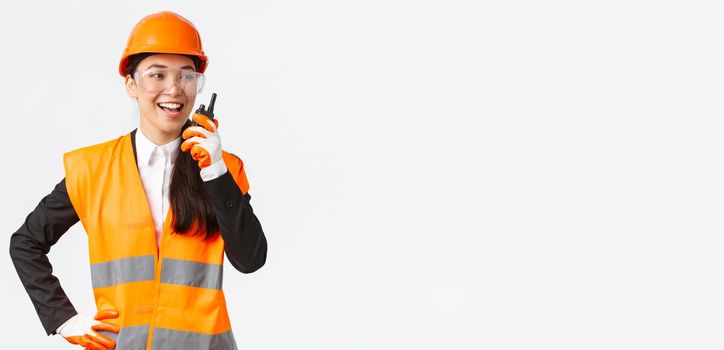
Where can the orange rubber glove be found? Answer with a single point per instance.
(203, 141)
(82, 329)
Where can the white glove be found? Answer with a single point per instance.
(82, 329)
(205, 145)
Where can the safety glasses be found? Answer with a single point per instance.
(162, 80)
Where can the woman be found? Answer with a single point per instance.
(159, 213)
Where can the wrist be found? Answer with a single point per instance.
(213, 171)
(65, 324)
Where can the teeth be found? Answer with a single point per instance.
(170, 105)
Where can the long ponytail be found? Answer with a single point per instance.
(189, 201)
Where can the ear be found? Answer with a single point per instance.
(131, 87)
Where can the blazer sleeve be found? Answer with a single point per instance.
(29, 247)
(244, 240)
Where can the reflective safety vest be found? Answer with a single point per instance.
(168, 298)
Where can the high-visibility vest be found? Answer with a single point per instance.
(170, 298)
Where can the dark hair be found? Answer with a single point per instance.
(192, 209)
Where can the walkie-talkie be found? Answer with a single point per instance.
(199, 154)
(207, 112)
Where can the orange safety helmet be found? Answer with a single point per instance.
(164, 32)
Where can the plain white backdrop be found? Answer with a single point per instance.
(429, 174)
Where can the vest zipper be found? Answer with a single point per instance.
(157, 282)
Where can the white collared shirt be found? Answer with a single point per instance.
(155, 164)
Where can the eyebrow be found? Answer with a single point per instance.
(157, 65)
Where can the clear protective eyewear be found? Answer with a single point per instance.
(161, 80)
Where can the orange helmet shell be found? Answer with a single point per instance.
(164, 32)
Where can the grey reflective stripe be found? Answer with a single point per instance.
(191, 273)
(130, 338)
(168, 339)
(111, 273)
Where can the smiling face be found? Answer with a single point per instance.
(164, 113)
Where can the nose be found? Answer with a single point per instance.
(174, 89)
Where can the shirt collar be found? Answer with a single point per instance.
(145, 148)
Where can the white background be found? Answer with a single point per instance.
(429, 175)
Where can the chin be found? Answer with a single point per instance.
(170, 127)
